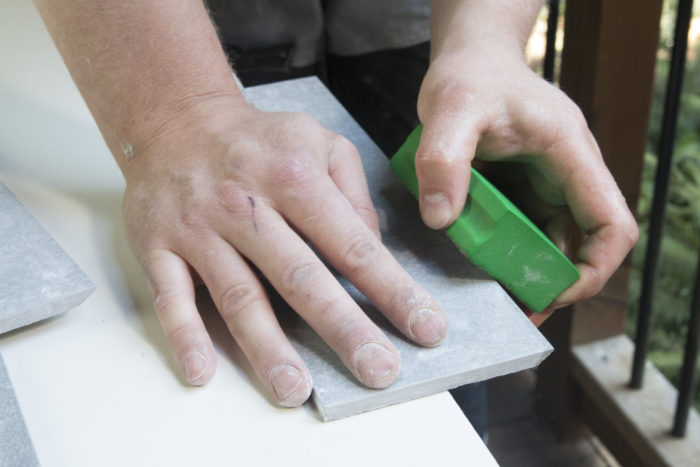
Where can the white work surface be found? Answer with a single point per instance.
(97, 386)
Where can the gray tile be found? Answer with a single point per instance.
(16, 448)
(37, 278)
(489, 336)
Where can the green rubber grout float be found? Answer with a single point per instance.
(496, 236)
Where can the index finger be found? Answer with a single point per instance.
(598, 208)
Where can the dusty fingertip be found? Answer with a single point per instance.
(428, 327)
(575, 292)
(291, 388)
(377, 366)
(195, 366)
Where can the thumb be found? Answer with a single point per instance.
(443, 162)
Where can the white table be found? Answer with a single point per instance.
(97, 386)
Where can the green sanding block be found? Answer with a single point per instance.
(496, 236)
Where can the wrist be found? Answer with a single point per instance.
(481, 54)
(500, 27)
(157, 134)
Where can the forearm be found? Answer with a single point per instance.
(138, 64)
(499, 25)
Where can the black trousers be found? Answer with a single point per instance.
(379, 89)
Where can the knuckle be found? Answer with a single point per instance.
(433, 159)
(305, 121)
(335, 313)
(576, 116)
(193, 221)
(289, 127)
(164, 301)
(300, 275)
(341, 149)
(236, 300)
(369, 215)
(563, 106)
(343, 145)
(149, 256)
(346, 332)
(568, 120)
(180, 337)
(408, 298)
(632, 232)
(451, 96)
(296, 124)
(365, 210)
(144, 243)
(262, 349)
(266, 352)
(596, 281)
(293, 171)
(563, 123)
(234, 201)
(361, 252)
(332, 310)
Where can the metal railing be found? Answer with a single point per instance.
(551, 42)
(656, 227)
(687, 383)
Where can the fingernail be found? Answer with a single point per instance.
(436, 210)
(195, 365)
(377, 366)
(290, 385)
(427, 327)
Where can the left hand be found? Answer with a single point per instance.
(485, 102)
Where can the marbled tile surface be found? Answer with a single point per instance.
(37, 277)
(15, 446)
(488, 336)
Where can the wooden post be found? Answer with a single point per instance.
(608, 70)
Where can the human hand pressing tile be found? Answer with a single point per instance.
(217, 189)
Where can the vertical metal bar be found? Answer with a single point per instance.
(686, 388)
(550, 47)
(658, 210)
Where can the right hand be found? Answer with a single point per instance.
(483, 98)
(223, 186)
